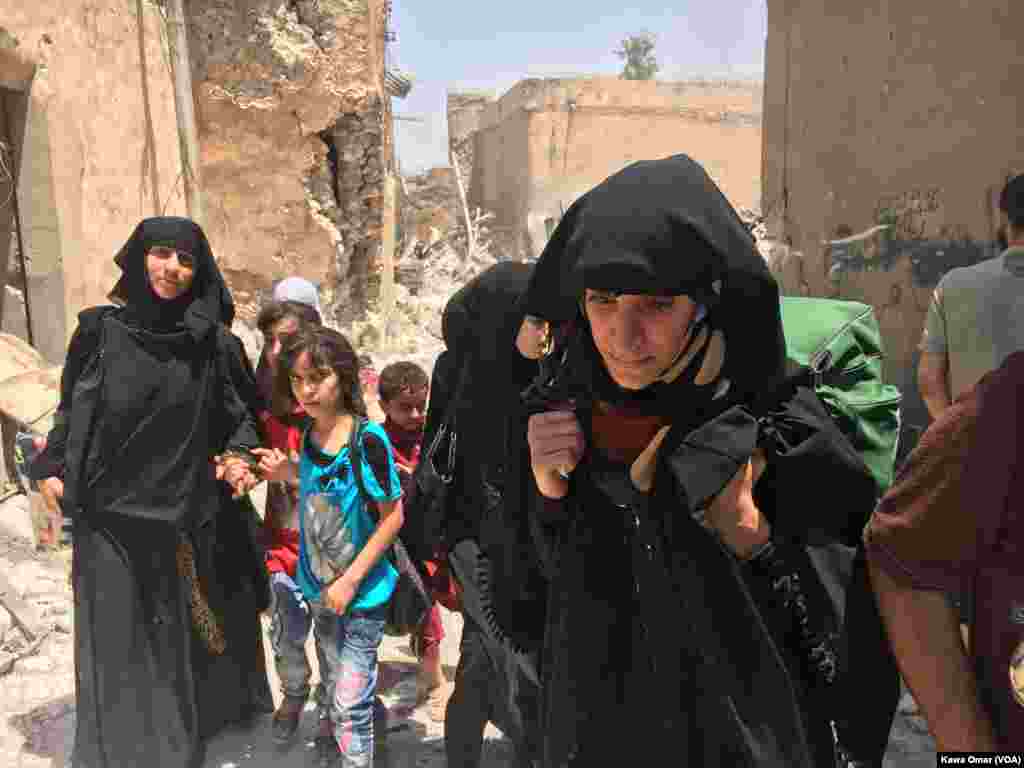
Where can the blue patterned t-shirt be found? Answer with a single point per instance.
(334, 520)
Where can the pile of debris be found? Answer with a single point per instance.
(443, 246)
(425, 278)
(430, 205)
(754, 222)
(35, 599)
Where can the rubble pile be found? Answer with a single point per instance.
(430, 206)
(422, 288)
(754, 221)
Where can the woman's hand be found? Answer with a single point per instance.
(339, 595)
(557, 445)
(276, 466)
(242, 479)
(734, 515)
(235, 471)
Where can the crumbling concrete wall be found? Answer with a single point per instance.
(882, 112)
(295, 135)
(91, 117)
(545, 142)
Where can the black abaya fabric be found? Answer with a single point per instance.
(174, 394)
(658, 643)
(478, 379)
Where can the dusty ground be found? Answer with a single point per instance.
(37, 694)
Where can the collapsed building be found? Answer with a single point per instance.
(296, 151)
(297, 161)
(529, 154)
(296, 140)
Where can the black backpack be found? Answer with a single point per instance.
(411, 601)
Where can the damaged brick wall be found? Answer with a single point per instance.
(295, 138)
(356, 142)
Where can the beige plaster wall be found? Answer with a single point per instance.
(580, 131)
(501, 168)
(87, 159)
(872, 101)
(910, 106)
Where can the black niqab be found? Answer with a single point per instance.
(206, 304)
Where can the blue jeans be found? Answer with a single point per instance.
(347, 648)
(290, 625)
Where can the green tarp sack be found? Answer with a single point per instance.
(840, 345)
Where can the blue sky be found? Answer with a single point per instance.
(456, 44)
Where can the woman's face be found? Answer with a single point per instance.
(170, 272)
(639, 336)
(315, 389)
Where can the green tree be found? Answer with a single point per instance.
(638, 53)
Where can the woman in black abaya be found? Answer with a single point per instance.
(167, 578)
(685, 622)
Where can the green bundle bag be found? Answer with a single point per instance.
(838, 344)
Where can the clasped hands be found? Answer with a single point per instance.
(243, 475)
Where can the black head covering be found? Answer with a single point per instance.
(476, 380)
(479, 324)
(664, 227)
(206, 304)
(487, 310)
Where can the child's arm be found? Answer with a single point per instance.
(343, 590)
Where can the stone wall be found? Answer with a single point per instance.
(90, 112)
(883, 112)
(295, 135)
(545, 142)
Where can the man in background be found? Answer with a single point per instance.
(976, 316)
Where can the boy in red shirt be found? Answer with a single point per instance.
(403, 389)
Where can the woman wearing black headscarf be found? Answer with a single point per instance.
(684, 621)
(476, 383)
(167, 576)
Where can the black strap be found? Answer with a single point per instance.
(355, 456)
(447, 427)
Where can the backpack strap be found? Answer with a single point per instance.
(355, 457)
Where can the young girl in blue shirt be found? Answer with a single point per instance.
(343, 570)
